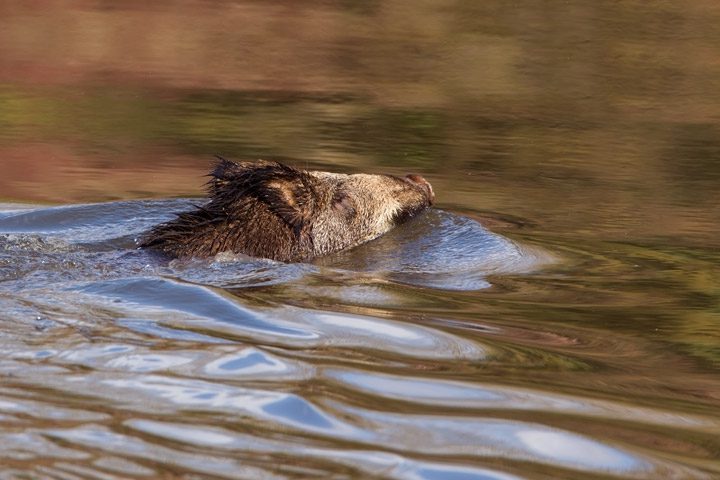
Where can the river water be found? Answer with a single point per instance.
(555, 315)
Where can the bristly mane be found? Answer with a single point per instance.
(285, 192)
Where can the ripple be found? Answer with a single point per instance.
(382, 334)
(446, 435)
(236, 271)
(154, 293)
(441, 250)
(370, 462)
(45, 410)
(286, 409)
(467, 395)
(429, 471)
(510, 439)
(92, 222)
(251, 361)
(98, 438)
(30, 446)
(148, 362)
(152, 328)
(223, 317)
(399, 467)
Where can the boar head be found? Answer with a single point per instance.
(267, 209)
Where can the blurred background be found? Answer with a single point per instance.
(585, 128)
(608, 108)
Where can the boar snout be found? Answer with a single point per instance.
(419, 181)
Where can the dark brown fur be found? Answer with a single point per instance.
(267, 209)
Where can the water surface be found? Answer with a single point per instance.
(556, 316)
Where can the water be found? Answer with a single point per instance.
(556, 316)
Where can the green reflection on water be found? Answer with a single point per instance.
(589, 129)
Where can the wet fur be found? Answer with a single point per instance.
(267, 209)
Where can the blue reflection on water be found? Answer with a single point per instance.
(192, 299)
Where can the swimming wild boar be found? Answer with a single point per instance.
(267, 209)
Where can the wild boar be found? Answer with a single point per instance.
(267, 209)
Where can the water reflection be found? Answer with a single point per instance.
(477, 436)
(426, 391)
(441, 250)
(191, 300)
(449, 349)
(298, 339)
(250, 361)
(369, 462)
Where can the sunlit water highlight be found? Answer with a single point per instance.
(175, 339)
(557, 316)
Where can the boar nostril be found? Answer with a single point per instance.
(419, 180)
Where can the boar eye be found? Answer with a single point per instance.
(344, 204)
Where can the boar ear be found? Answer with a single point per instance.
(287, 192)
(291, 199)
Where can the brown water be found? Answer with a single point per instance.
(557, 315)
